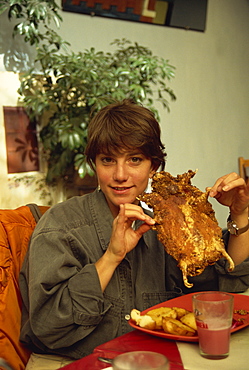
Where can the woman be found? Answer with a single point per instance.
(92, 259)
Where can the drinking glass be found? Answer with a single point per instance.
(140, 360)
(213, 314)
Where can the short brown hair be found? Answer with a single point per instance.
(128, 125)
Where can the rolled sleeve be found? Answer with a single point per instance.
(88, 309)
(235, 281)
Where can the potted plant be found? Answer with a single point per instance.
(64, 89)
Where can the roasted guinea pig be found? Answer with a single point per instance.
(185, 223)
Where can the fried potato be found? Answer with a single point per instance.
(189, 320)
(144, 321)
(180, 311)
(176, 327)
(147, 322)
(135, 315)
(158, 313)
(173, 320)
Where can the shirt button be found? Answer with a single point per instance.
(127, 317)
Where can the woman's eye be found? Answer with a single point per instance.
(136, 160)
(107, 160)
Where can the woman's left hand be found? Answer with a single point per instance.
(231, 191)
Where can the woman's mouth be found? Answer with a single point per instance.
(121, 189)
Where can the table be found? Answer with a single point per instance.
(133, 341)
(182, 355)
(237, 359)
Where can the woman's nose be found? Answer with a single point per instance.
(120, 173)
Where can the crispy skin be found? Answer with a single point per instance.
(186, 223)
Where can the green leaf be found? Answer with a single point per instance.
(72, 87)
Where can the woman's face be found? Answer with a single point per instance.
(123, 176)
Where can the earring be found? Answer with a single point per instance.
(98, 188)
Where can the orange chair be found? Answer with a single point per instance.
(244, 168)
(16, 227)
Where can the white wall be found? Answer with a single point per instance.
(207, 127)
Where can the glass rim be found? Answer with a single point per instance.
(150, 353)
(142, 351)
(227, 296)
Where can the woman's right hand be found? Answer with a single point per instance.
(123, 239)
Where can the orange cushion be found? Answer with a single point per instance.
(16, 227)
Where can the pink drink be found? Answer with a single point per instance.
(214, 343)
(213, 314)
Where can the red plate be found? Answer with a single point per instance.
(241, 302)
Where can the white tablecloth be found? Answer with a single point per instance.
(238, 358)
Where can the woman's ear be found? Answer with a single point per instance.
(154, 168)
(152, 172)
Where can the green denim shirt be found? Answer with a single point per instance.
(64, 309)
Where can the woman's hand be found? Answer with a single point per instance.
(232, 191)
(124, 238)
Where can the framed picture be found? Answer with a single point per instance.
(21, 141)
(129, 10)
(187, 14)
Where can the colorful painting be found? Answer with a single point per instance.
(132, 10)
(187, 14)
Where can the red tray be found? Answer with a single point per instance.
(240, 302)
